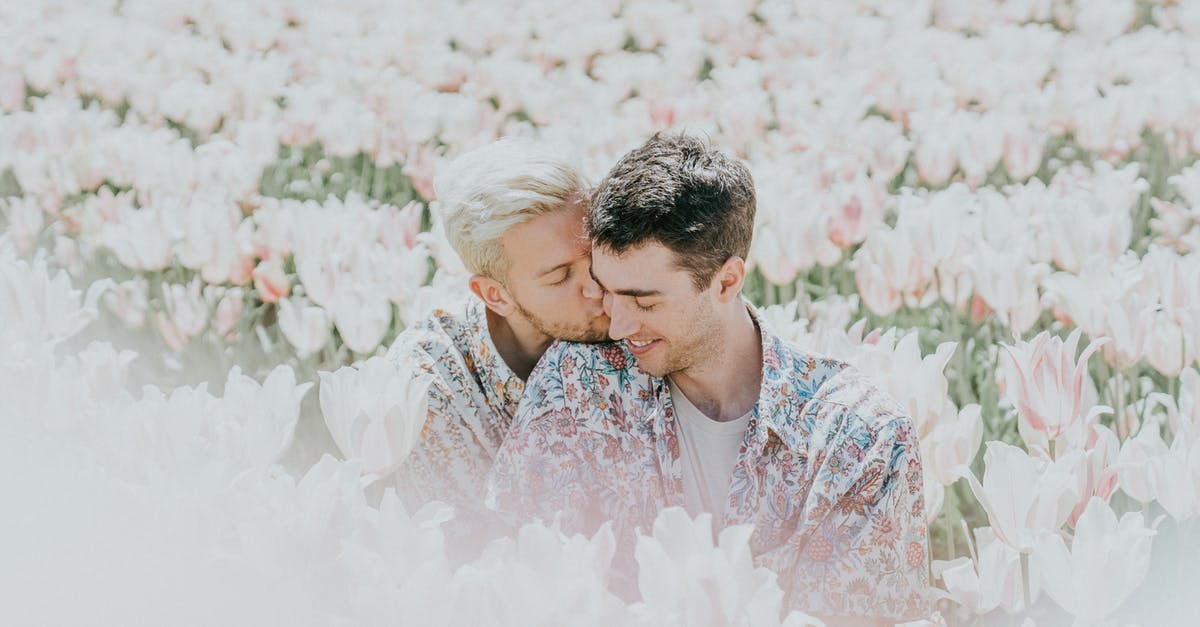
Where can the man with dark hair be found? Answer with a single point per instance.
(698, 404)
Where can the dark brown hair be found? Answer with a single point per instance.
(677, 191)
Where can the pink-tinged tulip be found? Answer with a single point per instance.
(419, 169)
(306, 327)
(1008, 282)
(936, 152)
(1024, 495)
(989, 580)
(1044, 381)
(374, 412)
(890, 270)
(1108, 560)
(853, 209)
(1097, 472)
(949, 449)
(170, 333)
(270, 281)
(980, 146)
(229, 311)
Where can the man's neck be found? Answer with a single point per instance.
(726, 385)
(519, 344)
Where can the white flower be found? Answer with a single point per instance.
(375, 412)
(687, 579)
(362, 315)
(952, 444)
(991, 579)
(1023, 495)
(265, 413)
(306, 327)
(1107, 561)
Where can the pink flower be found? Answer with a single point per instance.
(1044, 381)
(229, 310)
(270, 281)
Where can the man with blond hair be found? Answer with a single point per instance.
(513, 210)
(699, 404)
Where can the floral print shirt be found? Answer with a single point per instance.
(472, 401)
(828, 471)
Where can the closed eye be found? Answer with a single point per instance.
(566, 275)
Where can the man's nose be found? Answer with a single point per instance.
(621, 324)
(592, 289)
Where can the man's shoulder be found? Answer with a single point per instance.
(801, 374)
(589, 380)
(603, 362)
(441, 329)
(831, 386)
(444, 341)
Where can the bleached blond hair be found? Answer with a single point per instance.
(485, 192)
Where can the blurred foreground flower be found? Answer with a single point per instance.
(990, 579)
(374, 412)
(1107, 561)
(687, 579)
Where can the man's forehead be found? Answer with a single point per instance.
(648, 268)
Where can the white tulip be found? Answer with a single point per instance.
(375, 412)
(362, 315)
(1023, 495)
(990, 580)
(952, 445)
(687, 579)
(1137, 460)
(306, 327)
(1107, 561)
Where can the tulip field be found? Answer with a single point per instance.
(216, 215)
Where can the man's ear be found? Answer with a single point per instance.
(493, 294)
(729, 279)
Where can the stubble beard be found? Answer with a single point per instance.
(587, 333)
(702, 340)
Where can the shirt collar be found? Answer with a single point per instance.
(501, 385)
(775, 395)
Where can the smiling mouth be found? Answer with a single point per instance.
(638, 347)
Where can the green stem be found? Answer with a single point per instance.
(949, 508)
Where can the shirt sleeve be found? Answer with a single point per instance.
(451, 459)
(863, 550)
(555, 463)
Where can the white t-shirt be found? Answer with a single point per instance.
(708, 451)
